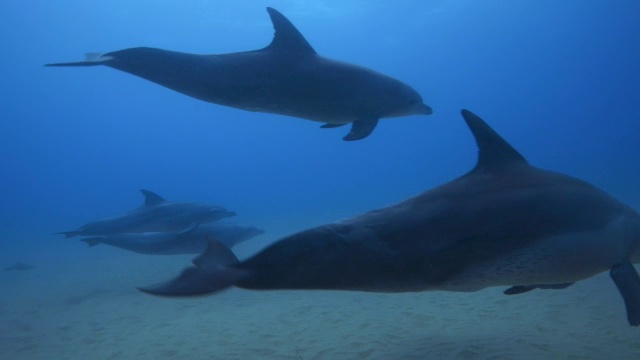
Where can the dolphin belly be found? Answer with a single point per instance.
(559, 259)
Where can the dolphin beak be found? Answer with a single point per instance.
(423, 109)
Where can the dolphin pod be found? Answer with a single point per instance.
(155, 215)
(287, 77)
(504, 223)
(193, 241)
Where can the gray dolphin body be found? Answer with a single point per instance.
(189, 242)
(156, 214)
(19, 267)
(505, 223)
(287, 77)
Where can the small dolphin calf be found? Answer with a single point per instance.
(193, 241)
(19, 267)
(156, 214)
(287, 77)
(505, 223)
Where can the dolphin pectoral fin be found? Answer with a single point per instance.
(331, 126)
(627, 281)
(555, 286)
(189, 229)
(521, 289)
(361, 128)
(91, 59)
(210, 274)
(68, 234)
(92, 241)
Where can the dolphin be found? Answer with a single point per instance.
(19, 267)
(287, 77)
(193, 241)
(155, 214)
(504, 223)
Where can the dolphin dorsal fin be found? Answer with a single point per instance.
(494, 152)
(151, 198)
(287, 37)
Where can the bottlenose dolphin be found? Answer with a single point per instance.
(287, 77)
(155, 214)
(504, 223)
(193, 241)
(19, 267)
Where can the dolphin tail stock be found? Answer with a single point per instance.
(91, 59)
(68, 234)
(92, 241)
(213, 272)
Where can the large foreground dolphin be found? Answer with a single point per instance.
(156, 214)
(193, 241)
(287, 77)
(505, 223)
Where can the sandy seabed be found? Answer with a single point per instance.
(91, 310)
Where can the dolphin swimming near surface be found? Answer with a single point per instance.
(19, 267)
(156, 214)
(504, 223)
(287, 77)
(193, 241)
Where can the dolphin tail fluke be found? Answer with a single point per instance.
(68, 234)
(93, 241)
(91, 59)
(213, 272)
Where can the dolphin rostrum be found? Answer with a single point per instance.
(156, 214)
(192, 241)
(504, 223)
(287, 77)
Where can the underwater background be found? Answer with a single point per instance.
(559, 80)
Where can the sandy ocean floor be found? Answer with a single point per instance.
(91, 310)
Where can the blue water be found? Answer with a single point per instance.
(558, 79)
